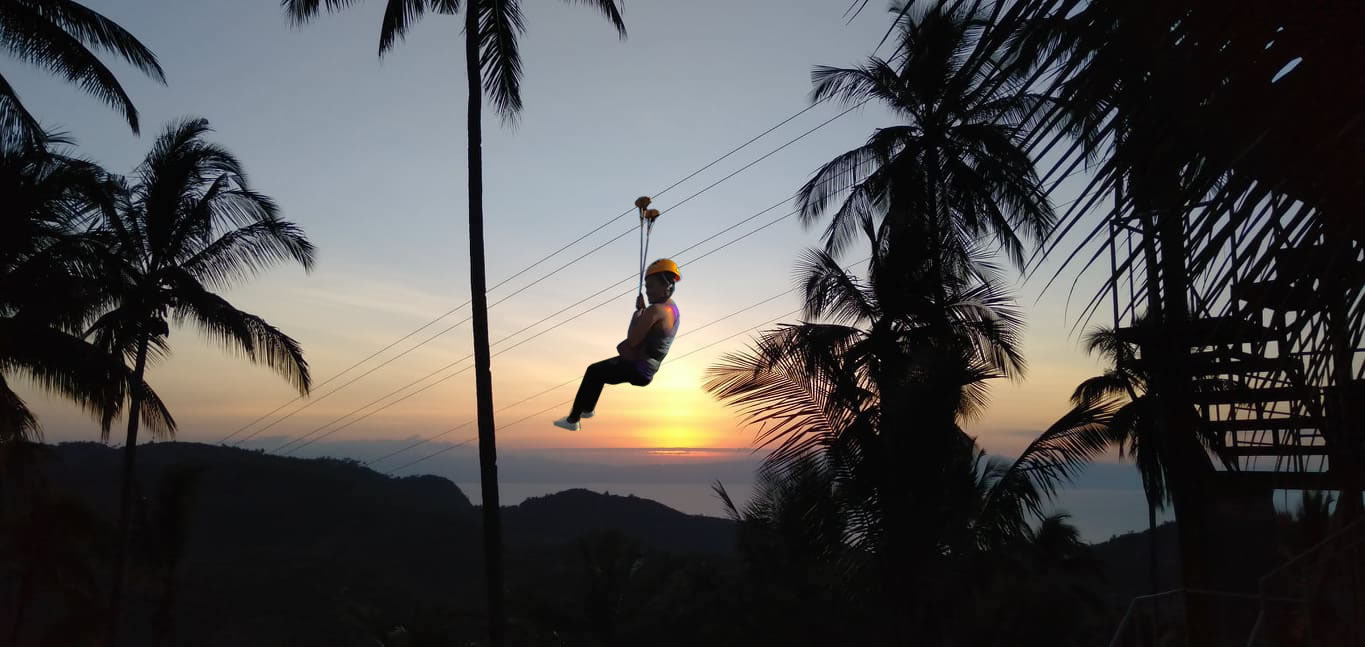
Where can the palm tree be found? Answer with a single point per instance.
(189, 225)
(803, 582)
(879, 392)
(48, 292)
(492, 64)
(1133, 427)
(59, 35)
(1134, 430)
(956, 169)
(981, 536)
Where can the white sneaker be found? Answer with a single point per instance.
(563, 423)
(585, 414)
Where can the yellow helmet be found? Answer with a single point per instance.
(664, 265)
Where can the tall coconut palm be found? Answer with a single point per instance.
(189, 225)
(48, 291)
(956, 165)
(492, 65)
(59, 35)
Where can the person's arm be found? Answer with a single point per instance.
(639, 328)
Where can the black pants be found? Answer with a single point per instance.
(609, 371)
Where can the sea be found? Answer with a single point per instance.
(1098, 514)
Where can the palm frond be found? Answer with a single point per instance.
(851, 86)
(830, 291)
(79, 371)
(240, 332)
(17, 422)
(1060, 453)
(835, 177)
(731, 511)
(608, 9)
(789, 390)
(858, 214)
(1111, 385)
(32, 37)
(18, 127)
(300, 12)
(95, 30)
(500, 26)
(995, 325)
(399, 17)
(245, 251)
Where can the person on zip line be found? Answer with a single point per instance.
(652, 329)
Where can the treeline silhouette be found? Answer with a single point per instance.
(236, 547)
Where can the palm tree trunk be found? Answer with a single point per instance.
(126, 499)
(1154, 309)
(488, 455)
(1174, 386)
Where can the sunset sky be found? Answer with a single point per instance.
(369, 157)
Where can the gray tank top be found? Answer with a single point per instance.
(656, 346)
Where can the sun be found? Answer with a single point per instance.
(676, 436)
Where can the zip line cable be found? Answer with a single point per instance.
(443, 450)
(561, 249)
(462, 321)
(689, 248)
(298, 443)
(539, 334)
(575, 379)
(902, 46)
(418, 345)
(424, 342)
(571, 381)
(574, 242)
(506, 338)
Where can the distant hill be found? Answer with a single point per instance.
(569, 515)
(264, 500)
(1125, 561)
(307, 551)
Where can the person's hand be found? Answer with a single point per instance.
(640, 302)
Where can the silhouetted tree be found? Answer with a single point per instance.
(797, 587)
(186, 226)
(492, 65)
(878, 392)
(956, 169)
(1134, 429)
(50, 266)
